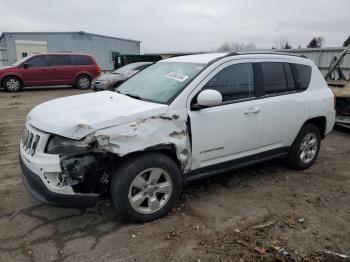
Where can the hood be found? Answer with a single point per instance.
(105, 77)
(78, 116)
(5, 67)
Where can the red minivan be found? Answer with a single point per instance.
(50, 69)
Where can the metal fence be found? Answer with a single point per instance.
(323, 57)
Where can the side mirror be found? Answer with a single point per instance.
(25, 65)
(209, 97)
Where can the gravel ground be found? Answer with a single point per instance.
(266, 212)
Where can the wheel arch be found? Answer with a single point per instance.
(11, 75)
(166, 149)
(82, 73)
(320, 122)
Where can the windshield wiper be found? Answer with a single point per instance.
(133, 96)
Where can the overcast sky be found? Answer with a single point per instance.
(186, 25)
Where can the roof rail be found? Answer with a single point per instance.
(256, 52)
(266, 53)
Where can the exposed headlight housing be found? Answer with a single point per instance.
(64, 146)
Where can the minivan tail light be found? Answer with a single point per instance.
(98, 69)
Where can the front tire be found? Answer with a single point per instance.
(305, 148)
(83, 82)
(146, 187)
(12, 84)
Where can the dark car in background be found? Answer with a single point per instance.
(50, 69)
(110, 81)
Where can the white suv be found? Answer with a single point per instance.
(179, 120)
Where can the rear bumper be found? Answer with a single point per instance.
(39, 191)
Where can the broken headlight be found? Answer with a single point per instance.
(65, 146)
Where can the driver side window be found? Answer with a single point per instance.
(234, 82)
(37, 61)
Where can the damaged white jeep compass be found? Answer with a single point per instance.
(179, 120)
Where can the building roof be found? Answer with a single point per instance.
(72, 32)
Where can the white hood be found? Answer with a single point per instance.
(80, 115)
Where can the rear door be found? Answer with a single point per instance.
(285, 108)
(37, 72)
(61, 69)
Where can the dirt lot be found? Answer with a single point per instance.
(266, 212)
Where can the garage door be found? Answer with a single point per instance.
(25, 48)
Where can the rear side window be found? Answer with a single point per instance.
(81, 60)
(234, 82)
(274, 79)
(60, 60)
(37, 61)
(302, 75)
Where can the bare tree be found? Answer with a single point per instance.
(282, 43)
(316, 42)
(236, 46)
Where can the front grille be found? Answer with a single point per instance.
(30, 141)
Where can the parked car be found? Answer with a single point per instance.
(111, 81)
(50, 69)
(179, 120)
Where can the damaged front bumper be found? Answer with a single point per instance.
(42, 174)
(36, 187)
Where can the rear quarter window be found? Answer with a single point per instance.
(81, 60)
(302, 75)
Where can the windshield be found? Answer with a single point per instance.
(160, 82)
(125, 69)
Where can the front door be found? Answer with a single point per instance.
(233, 129)
(37, 71)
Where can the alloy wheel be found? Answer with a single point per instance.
(308, 148)
(150, 190)
(84, 82)
(13, 84)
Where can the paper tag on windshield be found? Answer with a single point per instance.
(177, 76)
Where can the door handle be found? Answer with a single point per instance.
(253, 110)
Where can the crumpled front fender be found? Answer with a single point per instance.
(146, 133)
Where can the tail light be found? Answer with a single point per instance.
(98, 69)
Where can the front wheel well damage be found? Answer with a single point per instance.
(88, 173)
(92, 172)
(167, 149)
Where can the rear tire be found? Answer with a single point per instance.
(12, 84)
(83, 82)
(305, 148)
(146, 187)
